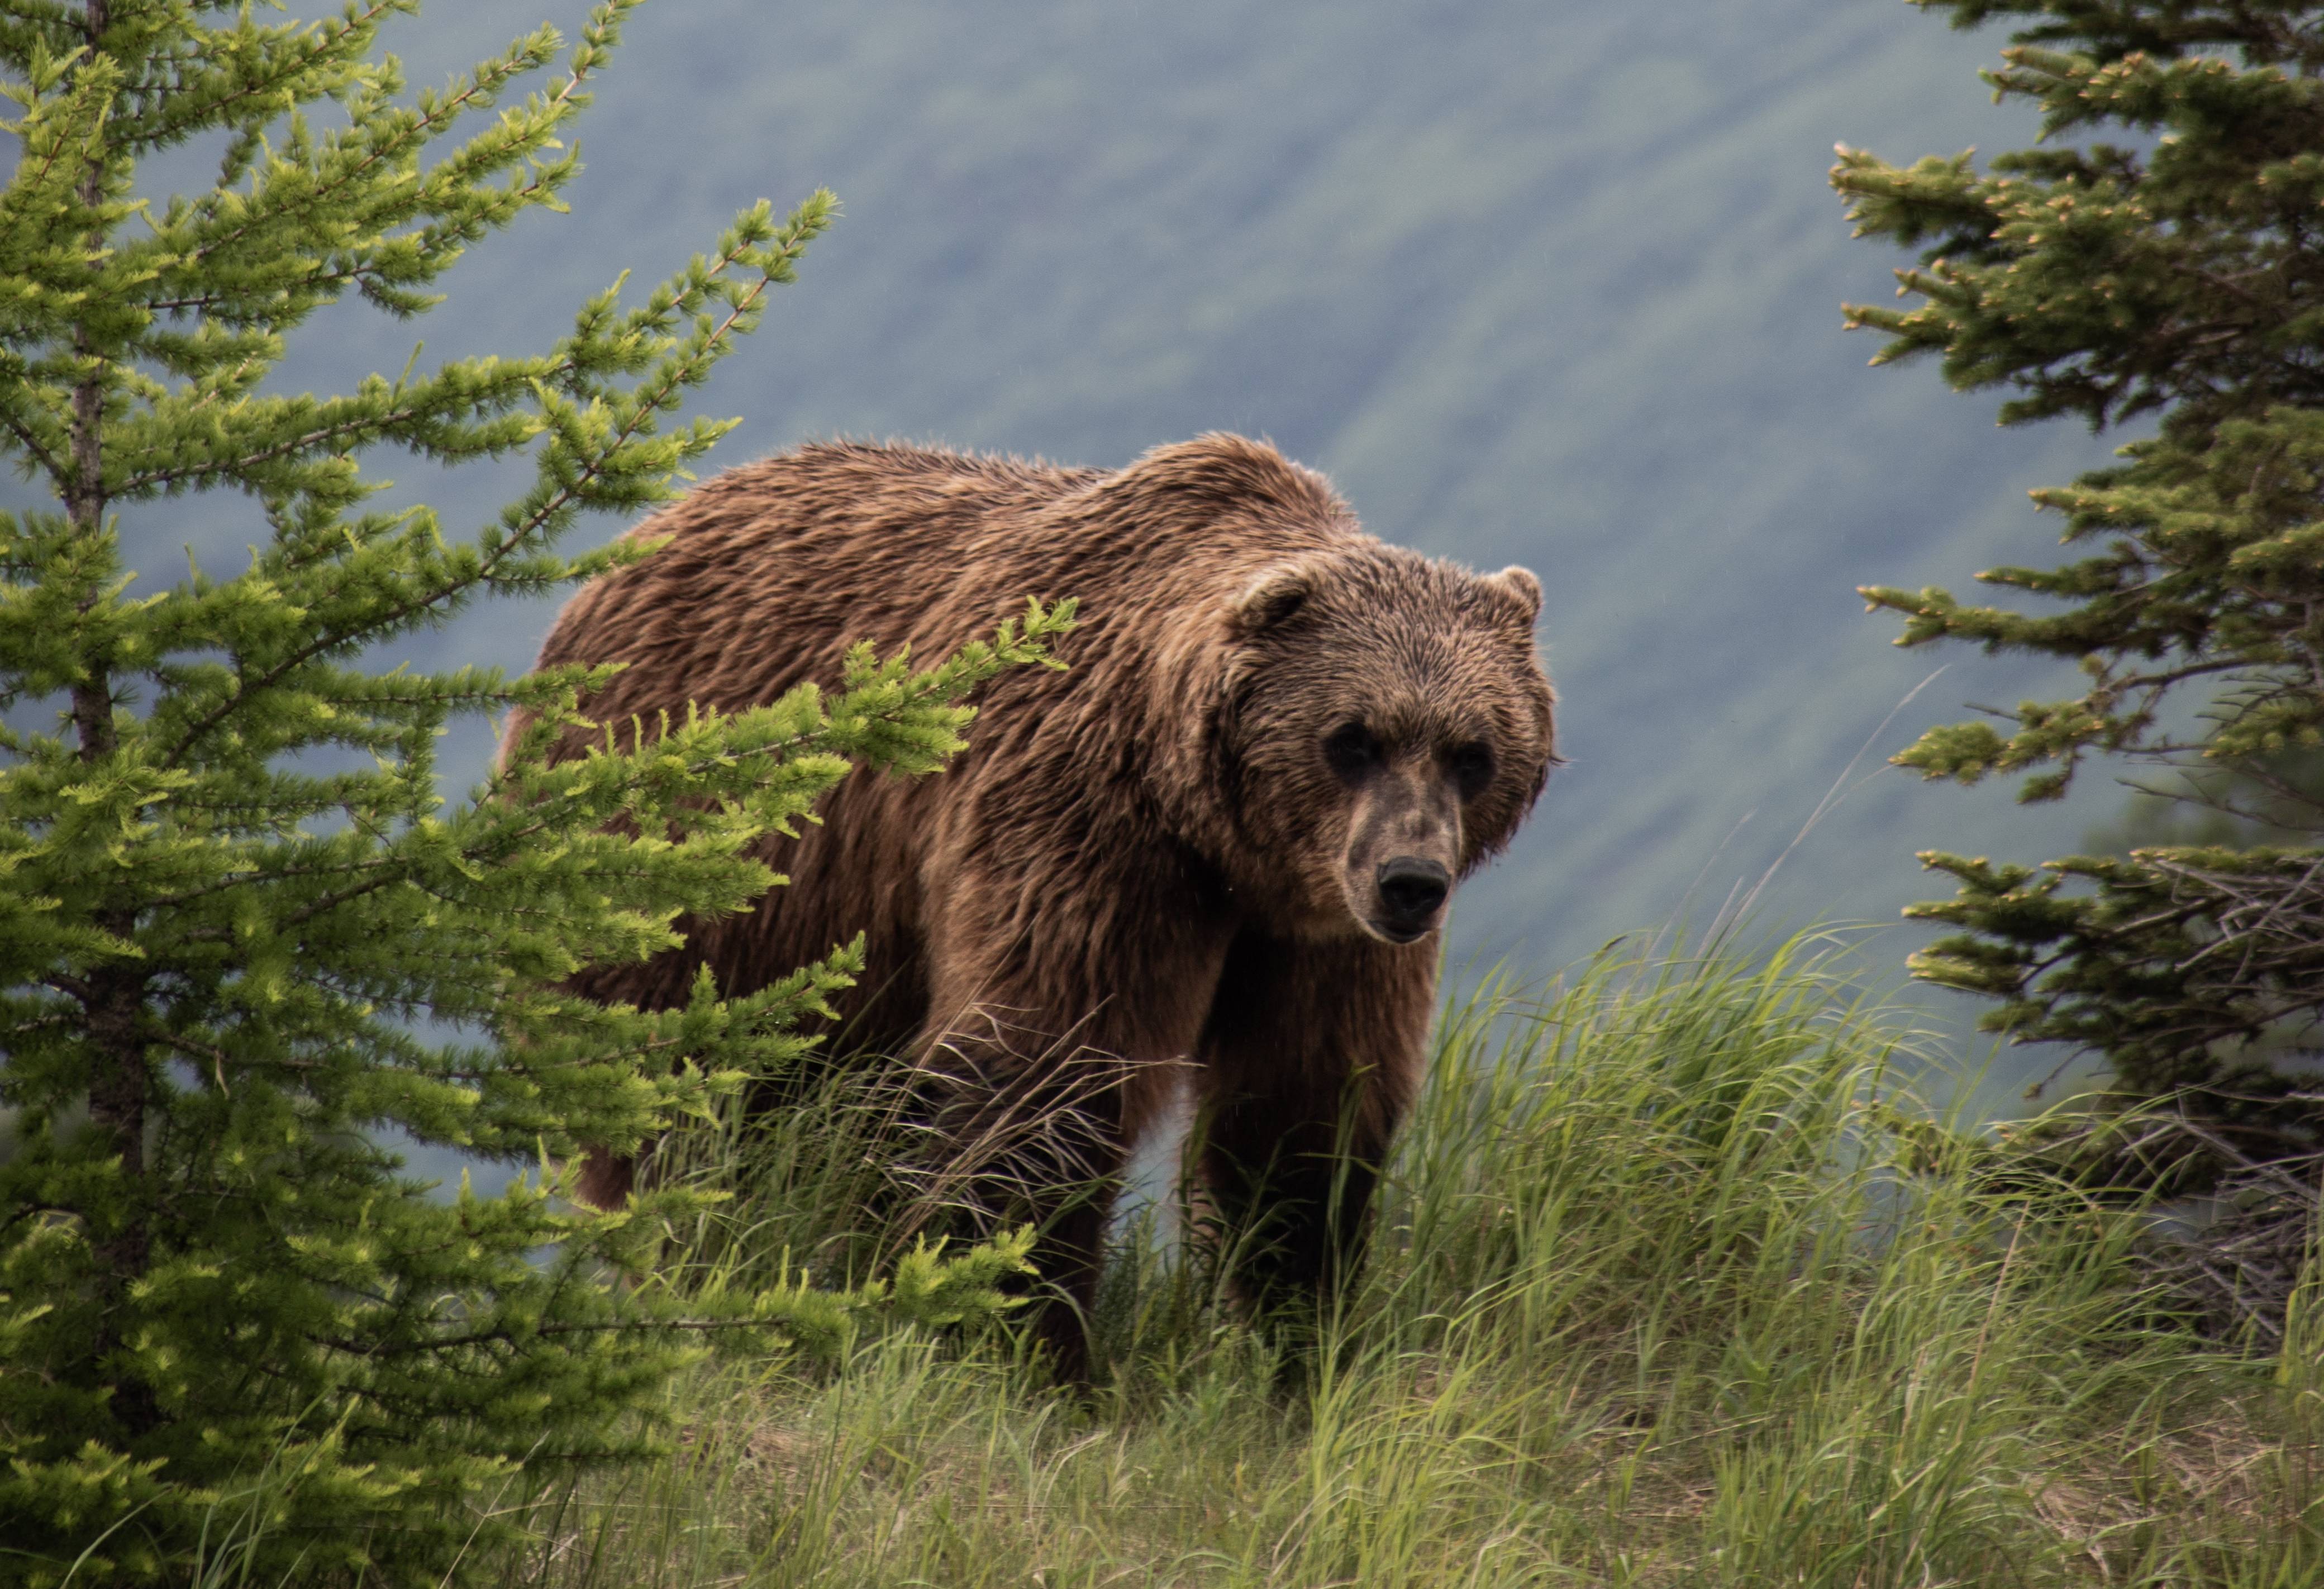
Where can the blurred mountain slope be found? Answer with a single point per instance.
(1556, 284)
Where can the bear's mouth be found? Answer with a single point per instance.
(1400, 933)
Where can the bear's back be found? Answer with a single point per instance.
(772, 570)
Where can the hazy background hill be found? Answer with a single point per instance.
(1550, 283)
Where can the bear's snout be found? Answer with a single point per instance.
(1411, 891)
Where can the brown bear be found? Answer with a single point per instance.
(1220, 843)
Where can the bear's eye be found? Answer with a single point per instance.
(1472, 766)
(1352, 751)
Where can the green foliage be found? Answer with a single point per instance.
(2176, 964)
(244, 941)
(2171, 275)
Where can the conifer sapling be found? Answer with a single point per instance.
(243, 937)
(2169, 276)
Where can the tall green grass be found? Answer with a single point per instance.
(1659, 1295)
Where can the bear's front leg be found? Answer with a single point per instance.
(1060, 1018)
(1023, 1129)
(1310, 1058)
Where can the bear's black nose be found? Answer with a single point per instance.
(1412, 889)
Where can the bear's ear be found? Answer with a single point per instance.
(1518, 585)
(1271, 599)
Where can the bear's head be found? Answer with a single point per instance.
(1383, 724)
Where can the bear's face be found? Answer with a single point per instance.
(1388, 727)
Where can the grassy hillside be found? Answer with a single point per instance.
(1661, 1297)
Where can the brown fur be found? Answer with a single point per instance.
(1159, 860)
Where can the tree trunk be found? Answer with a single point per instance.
(120, 1084)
